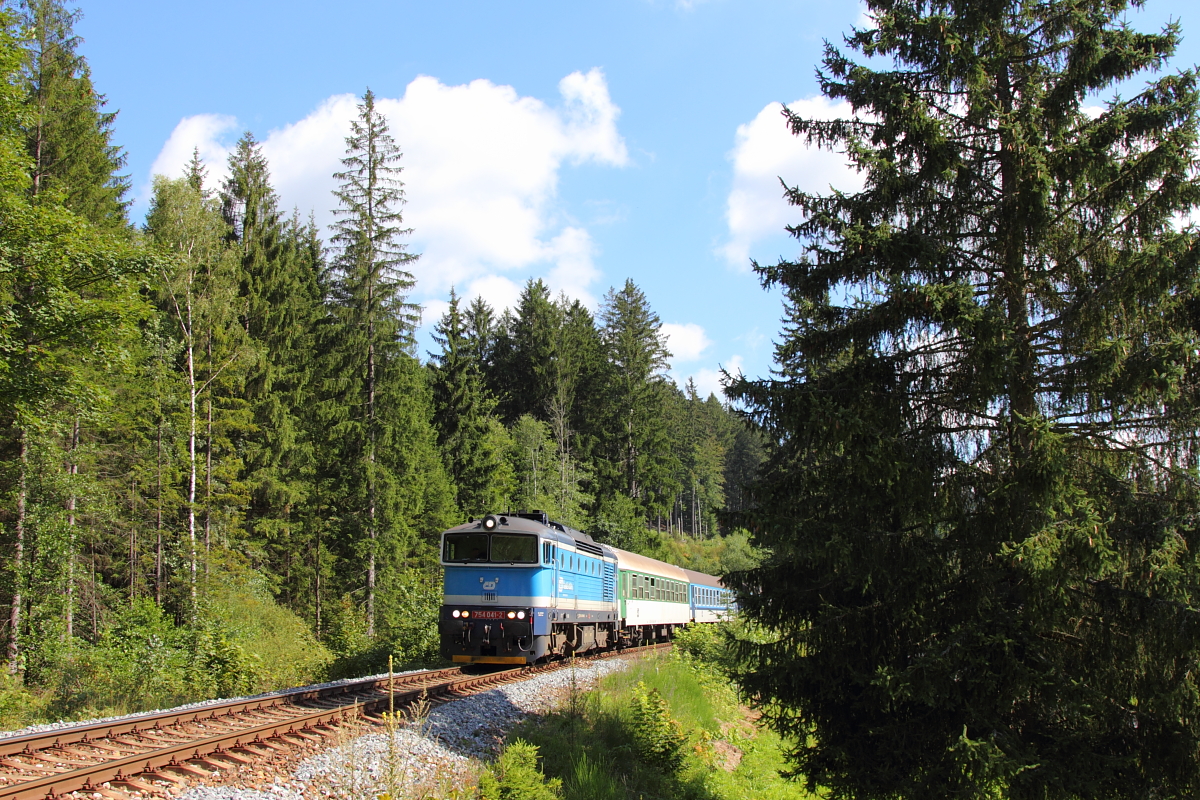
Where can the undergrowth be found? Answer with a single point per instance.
(240, 642)
(670, 726)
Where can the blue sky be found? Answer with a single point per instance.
(579, 143)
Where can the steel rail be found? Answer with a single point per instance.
(82, 734)
(118, 770)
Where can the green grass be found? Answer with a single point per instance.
(592, 744)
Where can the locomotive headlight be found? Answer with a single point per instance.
(520, 615)
(456, 613)
(466, 613)
(512, 615)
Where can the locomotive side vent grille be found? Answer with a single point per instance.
(587, 547)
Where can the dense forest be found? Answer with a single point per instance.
(224, 462)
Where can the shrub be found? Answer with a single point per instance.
(659, 738)
(707, 643)
(18, 705)
(250, 643)
(516, 776)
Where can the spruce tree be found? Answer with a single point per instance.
(638, 462)
(68, 134)
(369, 340)
(525, 362)
(981, 499)
(462, 414)
(279, 304)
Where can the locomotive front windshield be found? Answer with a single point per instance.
(505, 548)
(465, 547)
(514, 549)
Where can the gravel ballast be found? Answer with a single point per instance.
(425, 756)
(54, 726)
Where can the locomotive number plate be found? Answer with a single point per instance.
(488, 614)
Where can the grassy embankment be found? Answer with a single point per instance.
(669, 727)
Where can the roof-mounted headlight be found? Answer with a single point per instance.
(489, 523)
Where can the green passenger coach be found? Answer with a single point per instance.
(652, 595)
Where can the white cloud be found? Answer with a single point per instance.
(686, 342)
(499, 292)
(304, 155)
(434, 310)
(708, 381)
(481, 169)
(202, 132)
(765, 151)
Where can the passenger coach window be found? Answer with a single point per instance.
(465, 547)
(514, 549)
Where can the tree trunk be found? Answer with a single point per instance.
(191, 469)
(208, 458)
(72, 470)
(1021, 389)
(317, 581)
(158, 519)
(133, 541)
(373, 532)
(14, 619)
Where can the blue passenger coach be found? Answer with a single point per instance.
(519, 587)
(710, 600)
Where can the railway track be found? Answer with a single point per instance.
(140, 753)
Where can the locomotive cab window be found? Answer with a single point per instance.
(465, 547)
(514, 549)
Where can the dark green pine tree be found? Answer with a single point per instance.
(525, 362)
(462, 415)
(981, 499)
(280, 303)
(480, 344)
(636, 459)
(68, 134)
(377, 399)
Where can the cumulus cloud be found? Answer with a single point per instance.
(707, 380)
(765, 151)
(686, 342)
(203, 132)
(481, 170)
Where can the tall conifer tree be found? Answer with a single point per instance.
(279, 304)
(68, 133)
(640, 464)
(462, 414)
(375, 321)
(981, 505)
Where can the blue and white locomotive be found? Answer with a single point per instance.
(520, 587)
